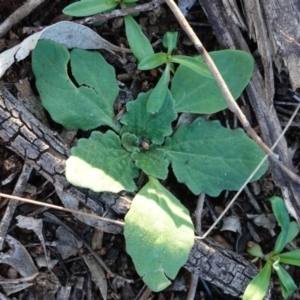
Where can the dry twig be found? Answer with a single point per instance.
(18, 15)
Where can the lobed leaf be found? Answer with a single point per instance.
(147, 126)
(89, 7)
(138, 42)
(152, 161)
(159, 235)
(87, 106)
(100, 163)
(209, 158)
(198, 93)
(258, 286)
(287, 283)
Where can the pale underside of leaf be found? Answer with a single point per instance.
(69, 34)
(101, 164)
(210, 158)
(159, 235)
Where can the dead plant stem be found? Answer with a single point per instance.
(18, 15)
(76, 212)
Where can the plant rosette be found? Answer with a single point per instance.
(204, 155)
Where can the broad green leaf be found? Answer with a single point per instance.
(89, 7)
(153, 61)
(258, 286)
(146, 126)
(194, 63)
(152, 162)
(196, 93)
(130, 142)
(87, 106)
(159, 93)
(159, 235)
(290, 258)
(209, 158)
(283, 219)
(138, 42)
(170, 41)
(100, 163)
(130, 1)
(287, 283)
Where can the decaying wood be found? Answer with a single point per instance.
(25, 135)
(223, 268)
(281, 25)
(229, 36)
(39, 146)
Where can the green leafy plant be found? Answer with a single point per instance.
(202, 94)
(259, 285)
(240, 62)
(204, 155)
(155, 102)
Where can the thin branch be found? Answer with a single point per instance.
(193, 287)
(18, 15)
(198, 213)
(19, 280)
(76, 212)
